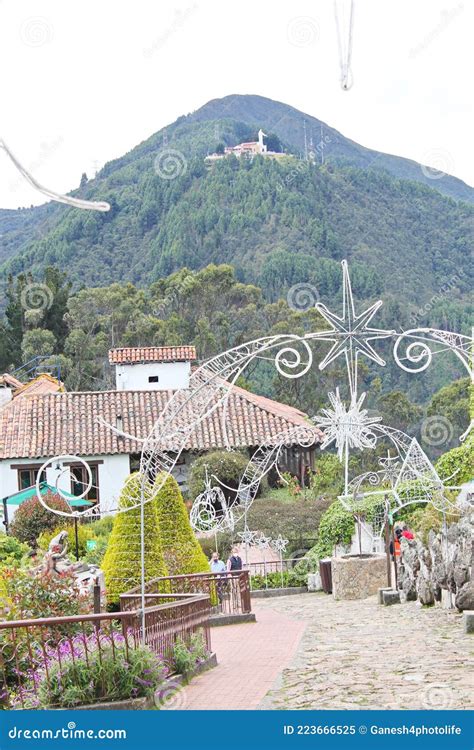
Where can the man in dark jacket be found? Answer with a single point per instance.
(235, 561)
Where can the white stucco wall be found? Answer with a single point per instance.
(112, 474)
(171, 376)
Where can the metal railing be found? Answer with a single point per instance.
(229, 592)
(272, 566)
(34, 654)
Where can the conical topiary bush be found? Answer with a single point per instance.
(121, 563)
(181, 549)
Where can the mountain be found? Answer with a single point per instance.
(290, 125)
(277, 222)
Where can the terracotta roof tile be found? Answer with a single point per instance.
(44, 383)
(137, 354)
(41, 426)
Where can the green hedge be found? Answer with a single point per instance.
(121, 563)
(182, 551)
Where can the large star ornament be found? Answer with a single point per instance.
(350, 333)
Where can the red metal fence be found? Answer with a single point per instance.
(35, 654)
(229, 593)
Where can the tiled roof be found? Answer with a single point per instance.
(44, 383)
(41, 426)
(137, 354)
(10, 381)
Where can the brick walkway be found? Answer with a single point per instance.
(250, 656)
(311, 652)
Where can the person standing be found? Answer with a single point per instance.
(219, 567)
(235, 561)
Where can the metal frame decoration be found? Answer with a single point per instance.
(348, 427)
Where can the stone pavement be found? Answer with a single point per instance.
(358, 654)
(311, 652)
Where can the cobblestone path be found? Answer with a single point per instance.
(359, 654)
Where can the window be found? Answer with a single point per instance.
(153, 378)
(80, 480)
(27, 477)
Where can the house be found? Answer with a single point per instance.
(248, 149)
(41, 421)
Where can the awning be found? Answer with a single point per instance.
(19, 497)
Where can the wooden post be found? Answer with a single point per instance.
(76, 538)
(96, 596)
(387, 547)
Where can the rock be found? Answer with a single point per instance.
(465, 597)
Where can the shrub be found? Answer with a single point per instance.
(27, 596)
(84, 533)
(11, 550)
(181, 549)
(296, 520)
(228, 466)
(31, 518)
(327, 479)
(274, 580)
(83, 674)
(122, 559)
(458, 462)
(187, 657)
(96, 555)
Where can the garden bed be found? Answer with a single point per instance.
(148, 703)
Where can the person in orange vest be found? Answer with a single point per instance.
(395, 548)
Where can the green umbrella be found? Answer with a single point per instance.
(19, 497)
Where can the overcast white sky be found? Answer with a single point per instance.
(84, 82)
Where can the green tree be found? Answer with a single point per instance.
(452, 403)
(181, 549)
(122, 560)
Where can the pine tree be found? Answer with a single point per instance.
(182, 551)
(121, 563)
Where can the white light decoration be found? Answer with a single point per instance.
(247, 536)
(58, 197)
(347, 427)
(351, 336)
(279, 545)
(351, 333)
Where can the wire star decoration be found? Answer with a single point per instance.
(247, 536)
(279, 544)
(347, 427)
(350, 333)
(262, 541)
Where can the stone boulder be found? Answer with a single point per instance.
(465, 597)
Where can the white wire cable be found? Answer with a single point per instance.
(75, 202)
(345, 50)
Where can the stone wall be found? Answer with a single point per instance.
(358, 577)
(431, 572)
